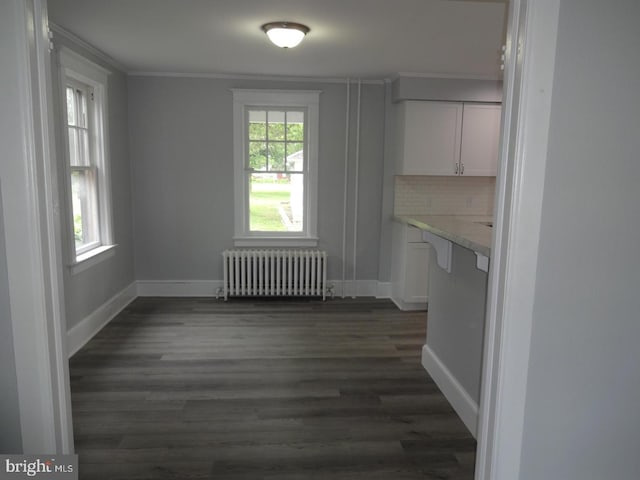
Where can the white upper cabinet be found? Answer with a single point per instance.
(480, 140)
(430, 134)
(448, 138)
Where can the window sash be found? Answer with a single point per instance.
(290, 208)
(267, 140)
(82, 167)
(289, 218)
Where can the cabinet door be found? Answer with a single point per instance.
(431, 138)
(480, 140)
(416, 273)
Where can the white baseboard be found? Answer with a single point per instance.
(409, 306)
(384, 290)
(460, 400)
(360, 288)
(178, 288)
(209, 288)
(80, 334)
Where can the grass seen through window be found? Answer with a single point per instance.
(270, 204)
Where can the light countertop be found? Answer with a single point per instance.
(468, 231)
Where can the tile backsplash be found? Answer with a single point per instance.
(426, 195)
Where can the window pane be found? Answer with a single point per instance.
(296, 202)
(74, 156)
(83, 144)
(258, 155)
(82, 107)
(85, 212)
(79, 147)
(275, 202)
(295, 157)
(295, 126)
(276, 156)
(71, 107)
(257, 125)
(276, 125)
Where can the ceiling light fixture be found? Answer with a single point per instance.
(285, 34)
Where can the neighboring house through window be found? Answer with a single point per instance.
(88, 192)
(276, 151)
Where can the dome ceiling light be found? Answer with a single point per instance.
(285, 34)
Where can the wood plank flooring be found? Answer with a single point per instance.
(184, 388)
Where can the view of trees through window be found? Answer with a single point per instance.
(276, 164)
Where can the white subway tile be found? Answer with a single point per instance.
(423, 195)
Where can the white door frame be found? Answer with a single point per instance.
(32, 230)
(528, 82)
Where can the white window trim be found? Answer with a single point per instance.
(75, 66)
(308, 99)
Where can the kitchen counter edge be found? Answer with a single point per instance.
(467, 231)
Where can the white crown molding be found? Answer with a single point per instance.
(72, 37)
(274, 78)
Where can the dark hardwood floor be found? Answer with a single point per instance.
(186, 388)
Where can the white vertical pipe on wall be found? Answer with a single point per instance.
(355, 206)
(346, 173)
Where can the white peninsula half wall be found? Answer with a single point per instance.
(452, 353)
(459, 210)
(457, 277)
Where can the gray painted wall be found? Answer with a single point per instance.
(182, 156)
(10, 434)
(455, 325)
(88, 290)
(448, 89)
(582, 413)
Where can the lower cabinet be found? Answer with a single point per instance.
(409, 268)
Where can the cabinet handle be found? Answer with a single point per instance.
(462, 169)
(456, 168)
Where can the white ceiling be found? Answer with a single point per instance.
(372, 39)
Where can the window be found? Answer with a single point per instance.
(275, 150)
(84, 113)
(84, 188)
